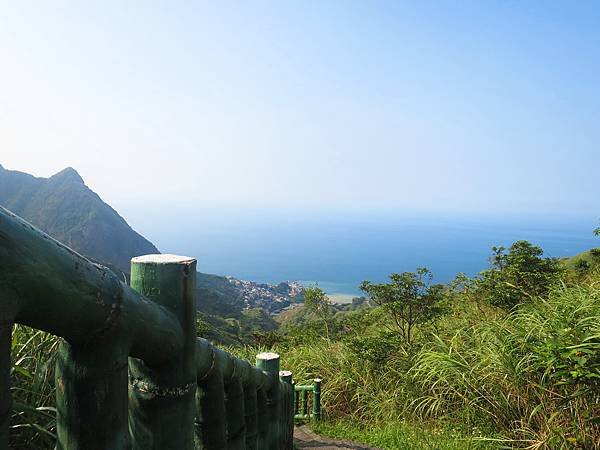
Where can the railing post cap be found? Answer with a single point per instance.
(267, 356)
(162, 259)
(269, 362)
(285, 376)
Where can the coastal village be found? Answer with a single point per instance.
(270, 297)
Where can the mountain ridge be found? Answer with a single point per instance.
(66, 209)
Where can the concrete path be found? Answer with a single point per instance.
(306, 439)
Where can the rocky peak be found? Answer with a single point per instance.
(69, 174)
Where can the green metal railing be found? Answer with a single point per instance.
(130, 371)
(307, 401)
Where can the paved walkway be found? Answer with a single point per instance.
(306, 439)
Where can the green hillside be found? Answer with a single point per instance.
(583, 260)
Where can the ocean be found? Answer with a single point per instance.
(338, 251)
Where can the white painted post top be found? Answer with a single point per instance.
(267, 356)
(163, 259)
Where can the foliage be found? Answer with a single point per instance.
(516, 276)
(582, 265)
(480, 376)
(525, 378)
(33, 421)
(409, 298)
(533, 374)
(248, 327)
(317, 302)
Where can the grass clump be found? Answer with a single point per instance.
(33, 421)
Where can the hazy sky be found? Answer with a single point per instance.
(463, 106)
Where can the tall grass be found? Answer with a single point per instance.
(33, 422)
(534, 375)
(528, 379)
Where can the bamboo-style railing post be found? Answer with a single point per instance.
(211, 407)
(91, 396)
(162, 398)
(287, 410)
(236, 422)
(5, 398)
(235, 407)
(210, 400)
(305, 402)
(263, 418)
(316, 406)
(269, 363)
(251, 411)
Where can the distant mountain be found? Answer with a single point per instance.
(65, 208)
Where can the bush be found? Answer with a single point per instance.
(515, 276)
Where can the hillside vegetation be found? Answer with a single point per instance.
(507, 359)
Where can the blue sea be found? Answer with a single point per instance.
(338, 250)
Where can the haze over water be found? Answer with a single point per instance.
(339, 251)
(484, 114)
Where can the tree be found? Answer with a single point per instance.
(318, 302)
(409, 298)
(516, 275)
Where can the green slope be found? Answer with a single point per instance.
(592, 257)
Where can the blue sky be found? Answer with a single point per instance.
(461, 107)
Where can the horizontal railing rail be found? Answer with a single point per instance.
(130, 372)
